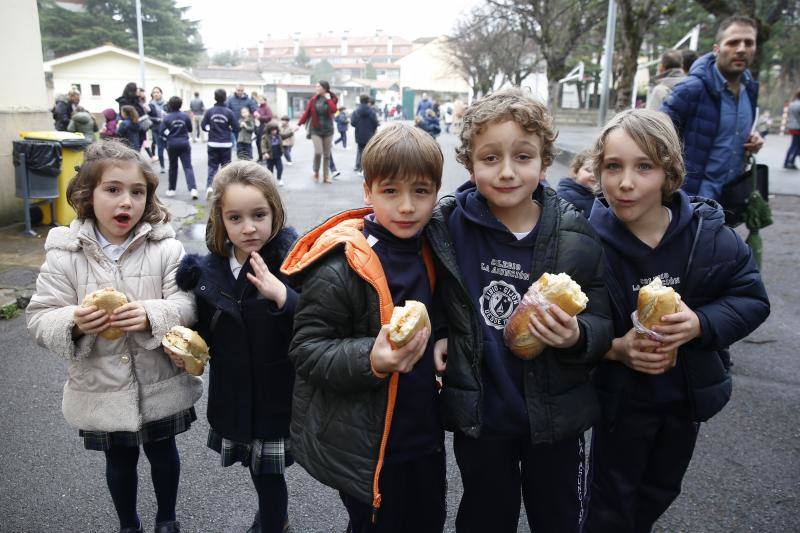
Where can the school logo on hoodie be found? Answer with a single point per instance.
(498, 301)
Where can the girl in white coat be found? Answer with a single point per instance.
(125, 392)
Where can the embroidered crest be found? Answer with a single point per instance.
(498, 301)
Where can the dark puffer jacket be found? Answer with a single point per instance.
(694, 107)
(560, 398)
(723, 286)
(340, 408)
(251, 376)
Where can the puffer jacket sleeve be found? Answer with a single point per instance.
(742, 306)
(321, 355)
(680, 103)
(595, 321)
(50, 313)
(176, 307)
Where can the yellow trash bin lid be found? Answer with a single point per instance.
(66, 138)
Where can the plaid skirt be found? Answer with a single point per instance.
(261, 456)
(151, 432)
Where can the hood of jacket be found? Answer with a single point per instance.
(669, 77)
(82, 117)
(80, 232)
(343, 230)
(703, 70)
(109, 114)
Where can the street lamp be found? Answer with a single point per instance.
(611, 26)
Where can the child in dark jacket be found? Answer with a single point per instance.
(364, 415)
(220, 123)
(654, 400)
(517, 423)
(341, 125)
(175, 128)
(578, 188)
(272, 148)
(129, 129)
(110, 127)
(245, 312)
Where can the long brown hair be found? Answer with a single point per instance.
(242, 173)
(129, 112)
(108, 153)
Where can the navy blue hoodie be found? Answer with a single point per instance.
(416, 427)
(497, 266)
(578, 195)
(219, 122)
(175, 127)
(633, 264)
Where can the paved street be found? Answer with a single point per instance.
(743, 476)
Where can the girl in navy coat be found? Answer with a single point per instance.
(654, 402)
(245, 313)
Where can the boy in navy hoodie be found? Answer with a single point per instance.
(518, 424)
(220, 123)
(175, 128)
(364, 414)
(654, 400)
(578, 188)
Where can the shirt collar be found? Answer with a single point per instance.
(722, 83)
(112, 251)
(234, 264)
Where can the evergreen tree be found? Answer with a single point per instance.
(322, 71)
(167, 35)
(369, 72)
(301, 59)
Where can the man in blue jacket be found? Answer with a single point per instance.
(714, 108)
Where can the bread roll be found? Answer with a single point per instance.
(558, 289)
(407, 321)
(190, 346)
(107, 299)
(655, 301)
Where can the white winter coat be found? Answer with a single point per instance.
(114, 385)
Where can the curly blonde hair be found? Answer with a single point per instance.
(508, 104)
(98, 157)
(242, 173)
(655, 135)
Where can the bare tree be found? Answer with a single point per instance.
(472, 51)
(555, 26)
(517, 53)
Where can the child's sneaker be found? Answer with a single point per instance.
(194, 194)
(209, 192)
(170, 192)
(280, 183)
(289, 163)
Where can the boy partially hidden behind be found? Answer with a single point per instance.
(517, 423)
(364, 416)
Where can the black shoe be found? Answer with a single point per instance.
(131, 530)
(256, 527)
(172, 526)
(790, 166)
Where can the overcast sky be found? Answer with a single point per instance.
(232, 24)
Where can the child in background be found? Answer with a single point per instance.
(244, 142)
(110, 127)
(287, 134)
(578, 189)
(245, 311)
(273, 150)
(341, 125)
(654, 402)
(176, 127)
(123, 393)
(129, 128)
(517, 423)
(83, 122)
(221, 125)
(364, 415)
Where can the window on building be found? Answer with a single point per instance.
(77, 86)
(95, 89)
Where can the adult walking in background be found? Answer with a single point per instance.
(670, 73)
(176, 127)
(157, 112)
(319, 112)
(236, 102)
(793, 125)
(222, 125)
(365, 122)
(263, 116)
(65, 106)
(713, 110)
(198, 108)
